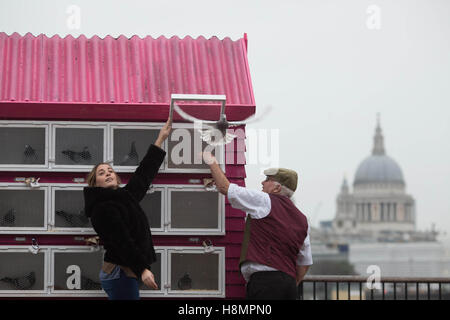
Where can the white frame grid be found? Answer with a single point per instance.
(195, 231)
(165, 189)
(220, 293)
(22, 230)
(28, 124)
(164, 290)
(27, 293)
(74, 292)
(108, 127)
(220, 157)
(76, 125)
(52, 213)
(134, 126)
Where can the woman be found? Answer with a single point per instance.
(121, 223)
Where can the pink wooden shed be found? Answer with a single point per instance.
(126, 79)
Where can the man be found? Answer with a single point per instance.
(276, 251)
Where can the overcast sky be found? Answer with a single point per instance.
(327, 67)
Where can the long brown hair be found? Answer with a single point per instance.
(91, 177)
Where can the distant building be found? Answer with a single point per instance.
(377, 211)
(379, 206)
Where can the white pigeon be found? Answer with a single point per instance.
(216, 129)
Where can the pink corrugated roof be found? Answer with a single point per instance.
(121, 70)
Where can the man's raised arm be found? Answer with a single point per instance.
(219, 177)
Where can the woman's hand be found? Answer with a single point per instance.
(164, 133)
(149, 279)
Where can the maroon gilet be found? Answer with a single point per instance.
(276, 239)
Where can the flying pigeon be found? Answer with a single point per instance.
(132, 158)
(217, 129)
(22, 283)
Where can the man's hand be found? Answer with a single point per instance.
(149, 279)
(219, 177)
(164, 133)
(301, 272)
(209, 158)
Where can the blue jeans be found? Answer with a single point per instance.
(118, 286)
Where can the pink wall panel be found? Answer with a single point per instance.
(235, 291)
(234, 277)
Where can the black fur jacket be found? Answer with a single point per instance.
(119, 220)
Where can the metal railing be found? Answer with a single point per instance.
(389, 288)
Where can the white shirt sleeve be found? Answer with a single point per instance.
(304, 257)
(253, 202)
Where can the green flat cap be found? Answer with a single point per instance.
(285, 177)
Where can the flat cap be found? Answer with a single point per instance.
(286, 177)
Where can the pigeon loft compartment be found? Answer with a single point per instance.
(192, 210)
(23, 209)
(22, 271)
(184, 145)
(67, 209)
(75, 270)
(193, 272)
(130, 144)
(26, 145)
(77, 146)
